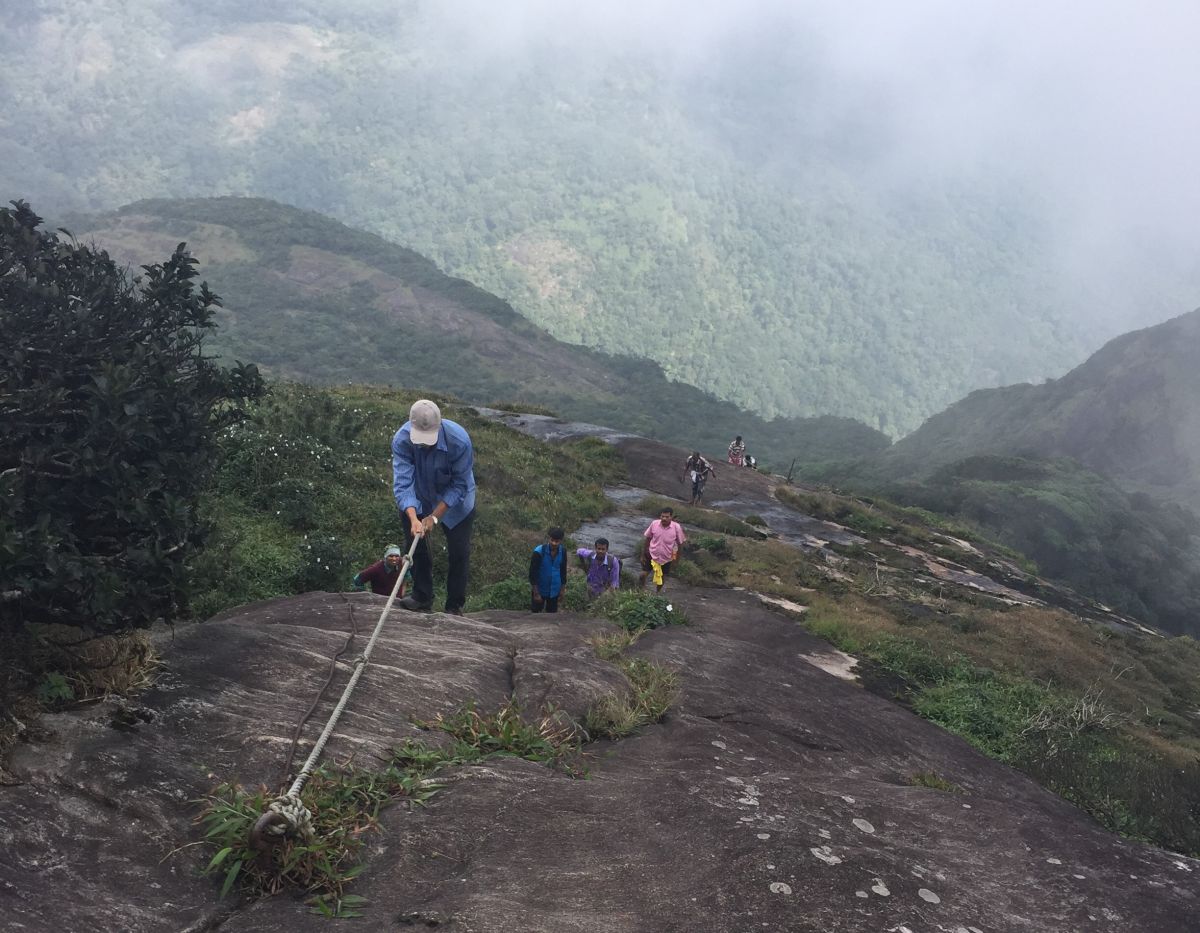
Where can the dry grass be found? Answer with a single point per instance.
(54, 666)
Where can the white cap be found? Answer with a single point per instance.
(424, 420)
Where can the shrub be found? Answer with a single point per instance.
(636, 609)
(110, 412)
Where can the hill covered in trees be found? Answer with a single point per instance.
(309, 299)
(1094, 475)
(727, 214)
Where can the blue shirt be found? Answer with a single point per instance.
(424, 476)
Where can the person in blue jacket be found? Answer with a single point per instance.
(548, 572)
(433, 480)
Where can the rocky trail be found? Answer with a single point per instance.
(773, 796)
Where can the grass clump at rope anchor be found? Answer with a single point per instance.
(345, 803)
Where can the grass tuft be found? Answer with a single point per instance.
(932, 780)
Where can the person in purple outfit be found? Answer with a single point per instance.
(603, 569)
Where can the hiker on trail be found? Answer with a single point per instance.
(699, 470)
(664, 537)
(737, 451)
(381, 576)
(433, 480)
(548, 572)
(603, 569)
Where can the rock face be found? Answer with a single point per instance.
(773, 797)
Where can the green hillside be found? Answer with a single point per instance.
(309, 299)
(1130, 413)
(708, 215)
(1096, 475)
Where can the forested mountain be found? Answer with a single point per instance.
(1095, 475)
(309, 299)
(1130, 413)
(731, 210)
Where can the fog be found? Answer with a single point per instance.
(1089, 107)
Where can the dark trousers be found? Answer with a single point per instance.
(458, 553)
(547, 604)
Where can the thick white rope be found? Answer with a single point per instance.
(288, 805)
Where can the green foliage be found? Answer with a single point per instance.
(550, 740)
(344, 802)
(55, 689)
(1127, 788)
(654, 689)
(1072, 744)
(327, 331)
(1138, 556)
(302, 499)
(515, 593)
(110, 411)
(635, 609)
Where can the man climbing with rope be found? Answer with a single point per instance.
(433, 480)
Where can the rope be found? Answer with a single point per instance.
(286, 815)
(287, 768)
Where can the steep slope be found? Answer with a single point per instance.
(779, 800)
(310, 299)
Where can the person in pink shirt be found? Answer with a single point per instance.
(664, 538)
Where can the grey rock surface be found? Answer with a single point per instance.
(774, 797)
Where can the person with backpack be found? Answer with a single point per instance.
(548, 572)
(602, 568)
(737, 451)
(699, 470)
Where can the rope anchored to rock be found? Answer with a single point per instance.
(286, 815)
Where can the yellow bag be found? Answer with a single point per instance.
(658, 574)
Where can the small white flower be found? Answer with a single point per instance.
(670, 608)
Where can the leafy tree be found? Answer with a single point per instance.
(110, 412)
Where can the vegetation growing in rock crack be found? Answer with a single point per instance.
(346, 800)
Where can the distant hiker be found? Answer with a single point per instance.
(603, 569)
(737, 451)
(381, 576)
(699, 470)
(433, 480)
(548, 572)
(664, 537)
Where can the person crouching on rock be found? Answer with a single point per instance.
(737, 451)
(603, 569)
(548, 572)
(433, 480)
(381, 576)
(664, 537)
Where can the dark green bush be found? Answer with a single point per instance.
(110, 412)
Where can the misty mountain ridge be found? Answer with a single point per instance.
(309, 299)
(1131, 413)
(1096, 476)
(749, 211)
